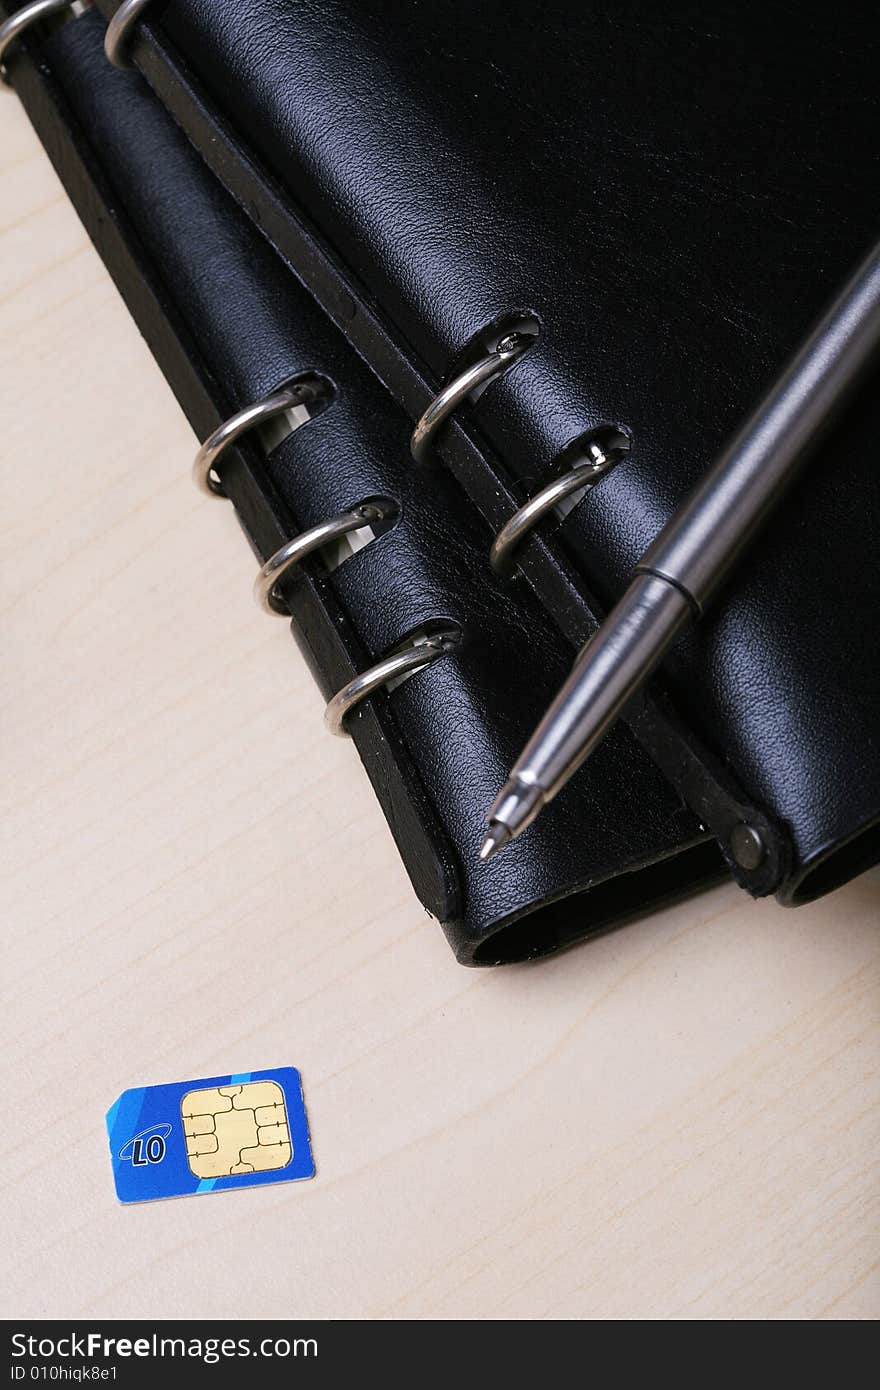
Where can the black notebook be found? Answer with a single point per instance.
(673, 198)
(661, 205)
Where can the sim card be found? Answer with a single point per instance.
(202, 1136)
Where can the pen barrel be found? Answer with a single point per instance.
(703, 540)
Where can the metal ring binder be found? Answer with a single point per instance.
(239, 424)
(118, 29)
(458, 390)
(584, 475)
(420, 654)
(290, 555)
(23, 19)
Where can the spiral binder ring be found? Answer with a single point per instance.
(23, 19)
(458, 390)
(119, 28)
(239, 424)
(414, 658)
(295, 551)
(583, 476)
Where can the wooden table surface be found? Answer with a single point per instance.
(679, 1120)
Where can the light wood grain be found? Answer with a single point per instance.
(677, 1121)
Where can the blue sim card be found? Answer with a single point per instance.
(202, 1136)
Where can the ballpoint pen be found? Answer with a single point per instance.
(683, 567)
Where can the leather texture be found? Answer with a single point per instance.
(228, 323)
(675, 197)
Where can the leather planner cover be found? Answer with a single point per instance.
(229, 321)
(670, 197)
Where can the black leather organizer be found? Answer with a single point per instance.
(349, 194)
(228, 323)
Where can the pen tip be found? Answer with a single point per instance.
(495, 840)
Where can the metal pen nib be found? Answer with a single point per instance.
(516, 806)
(496, 839)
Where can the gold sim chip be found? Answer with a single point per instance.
(236, 1129)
